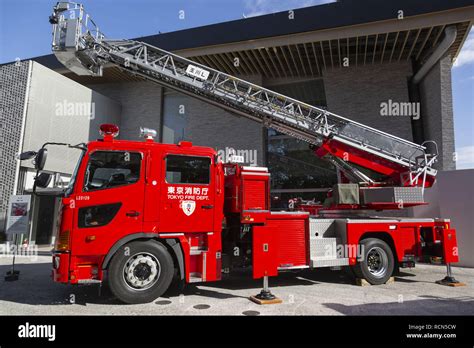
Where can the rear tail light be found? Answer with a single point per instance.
(62, 242)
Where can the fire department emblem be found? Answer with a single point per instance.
(188, 207)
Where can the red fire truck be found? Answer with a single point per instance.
(139, 212)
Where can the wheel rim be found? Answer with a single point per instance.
(377, 262)
(141, 271)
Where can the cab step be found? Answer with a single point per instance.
(195, 277)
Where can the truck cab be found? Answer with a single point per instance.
(127, 193)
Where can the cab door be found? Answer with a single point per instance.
(109, 200)
(187, 194)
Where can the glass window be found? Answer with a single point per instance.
(98, 215)
(187, 169)
(72, 181)
(175, 117)
(293, 164)
(108, 169)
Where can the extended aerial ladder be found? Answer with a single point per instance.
(82, 48)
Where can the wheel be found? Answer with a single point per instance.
(378, 263)
(140, 271)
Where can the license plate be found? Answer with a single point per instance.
(197, 72)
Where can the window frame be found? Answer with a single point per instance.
(117, 206)
(84, 181)
(183, 183)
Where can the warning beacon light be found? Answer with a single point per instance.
(147, 133)
(110, 130)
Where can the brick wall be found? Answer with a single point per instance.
(437, 111)
(141, 105)
(357, 92)
(206, 125)
(352, 92)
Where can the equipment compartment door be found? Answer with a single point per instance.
(264, 250)
(188, 194)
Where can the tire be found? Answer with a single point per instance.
(140, 272)
(378, 263)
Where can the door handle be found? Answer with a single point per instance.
(207, 206)
(132, 213)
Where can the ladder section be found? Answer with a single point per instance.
(81, 47)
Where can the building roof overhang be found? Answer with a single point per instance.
(275, 46)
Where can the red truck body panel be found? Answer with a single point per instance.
(281, 243)
(195, 215)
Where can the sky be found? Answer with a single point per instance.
(25, 32)
(463, 104)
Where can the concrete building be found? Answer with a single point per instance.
(365, 60)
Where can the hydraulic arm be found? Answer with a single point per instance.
(80, 46)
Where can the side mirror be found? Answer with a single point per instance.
(43, 180)
(27, 155)
(40, 158)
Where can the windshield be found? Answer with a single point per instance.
(112, 168)
(72, 181)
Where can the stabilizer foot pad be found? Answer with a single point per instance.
(263, 302)
(363, 282)
(11, 276)
(446, 283)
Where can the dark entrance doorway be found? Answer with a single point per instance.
(45, 218)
